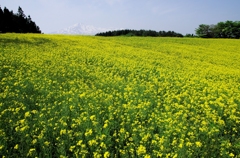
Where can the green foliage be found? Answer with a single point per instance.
(18, 23)
(143, 33)
(87, 96)
(189, 35)
(228, 29)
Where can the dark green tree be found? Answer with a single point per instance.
(236, 25)
(1, 19)
(7, 20)
(18, 23)
(21, 13)
(228, 29)
(22, 21)
(204, 31)
(144, 33)
(231, 29)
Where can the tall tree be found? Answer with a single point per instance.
(22, 21)
(18, 23)
(205, 31)
(220, 30)
(236, 25)
(21, 12)
(228, 29)
(1, 19)
(7, 20)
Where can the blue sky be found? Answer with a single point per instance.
(181, 16)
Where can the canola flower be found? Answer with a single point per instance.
(141, 150)
(84, 96)
(198, 144)
(106, 154)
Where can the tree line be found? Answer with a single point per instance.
(228, 29)
(17, 22)
(20, 23)
(151, 33)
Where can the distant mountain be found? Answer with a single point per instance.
(82, 29)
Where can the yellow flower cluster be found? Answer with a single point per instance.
(85, 96)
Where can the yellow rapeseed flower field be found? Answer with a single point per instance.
(86, 96)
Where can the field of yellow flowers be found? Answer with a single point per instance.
(86, 96)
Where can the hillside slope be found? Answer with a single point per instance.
(118, 97)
